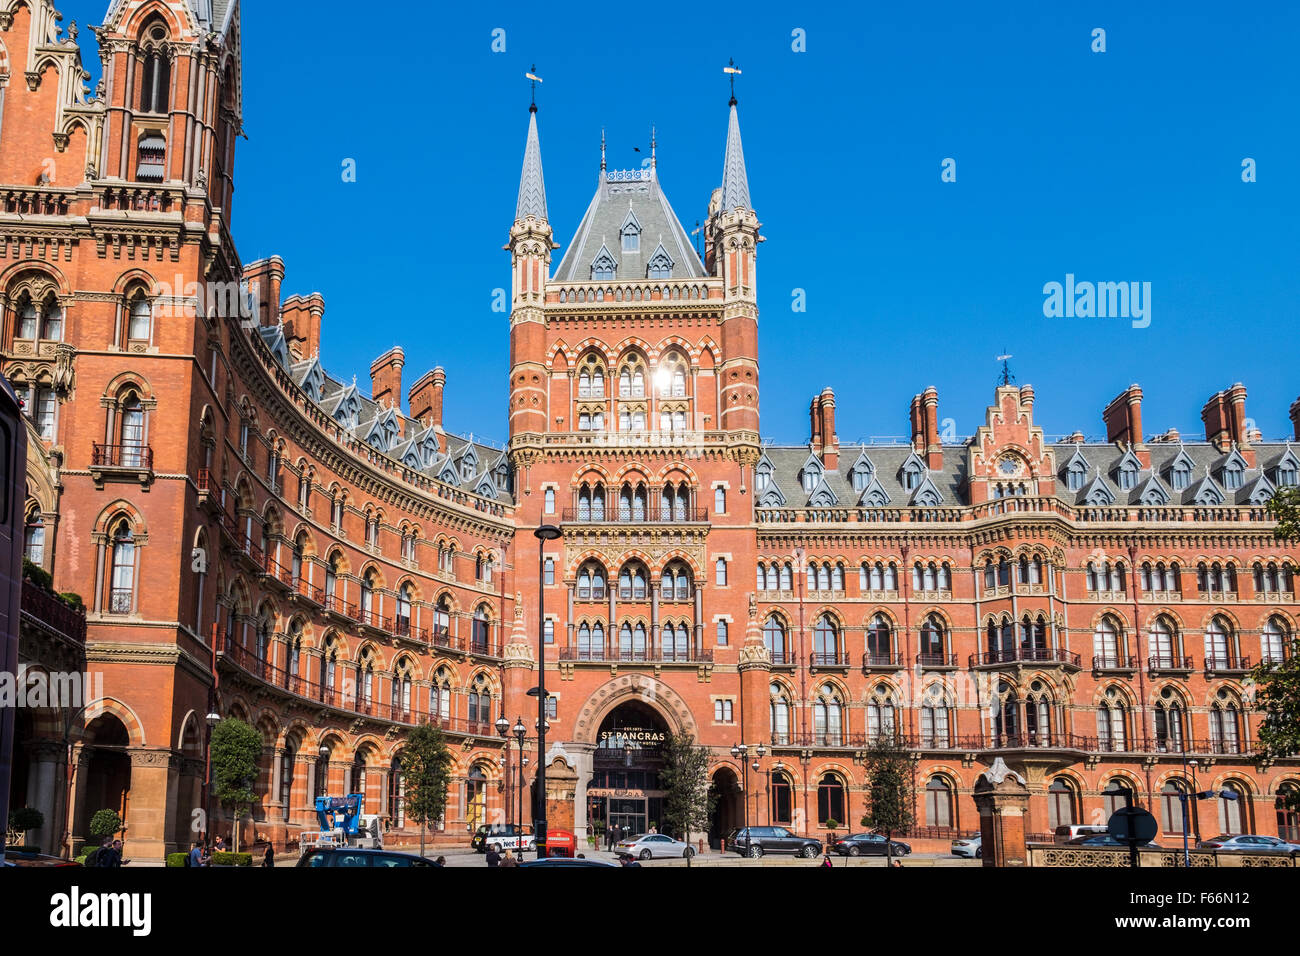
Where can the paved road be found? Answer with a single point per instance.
(465, 857)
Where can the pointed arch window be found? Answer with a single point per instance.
(1112, 722)
(828, 717)
(934, 719)
(880, 641)
(826, 641)
(155, 86)
(1061, 804)
(1169, 722)
(1274, 641)
(1225, 724)
(122, 574)
(881, 710)
(34, 538)
(780, 712)
(774, 638)
(938, 802)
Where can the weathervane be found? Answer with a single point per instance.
(734, 71)
(602, 149)
(535, 79)
(652, 147)
(1007, 377)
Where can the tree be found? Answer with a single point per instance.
(891, 773)
(426, 773)
(22, 820)
(688, 801)
(1277, 683)
(104, 824)
(236, 749)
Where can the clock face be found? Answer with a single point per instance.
(1008, 466)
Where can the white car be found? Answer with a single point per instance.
(971, 847)
(1249, 842)
(650, 845)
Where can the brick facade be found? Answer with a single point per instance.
(366, 570)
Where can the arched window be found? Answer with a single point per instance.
(1006, 716)
(28, 319)
(549, 497)
(480, 701)
(1218, 644)
(368, 596)
(935, 725)
(1274, 641)
(1105, 645)
(1060, 804)
(1288, 812)
(34, 538)
(782, 798)
(122, 574)
(1112, 722)
(826, 641)
(332, 576)
(780, 706)
(1169, 722)
(591, 582)
(139, 319)
(880, 641)
(774, 638)
(1164, 644)
(828, 717)
(440, 695)
(830, 800)
(479, 631)
(1172, 807)
(155, 86)
(881, 710)
(1118, 794)
(130, 433)
(1234, 816)
(397, 792)
(938, 802)
(932, 642)
(404, 609)
(1225, 722)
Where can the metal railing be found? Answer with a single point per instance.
(1108, 662)
(615, 655)
(1012, 655)
(122, 456)
(649, 516)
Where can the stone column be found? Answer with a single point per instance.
(1002, 799)
(583, 756)
(44, 790)
(654, 618)
(151, 778)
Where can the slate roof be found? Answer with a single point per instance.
(617, 192)
(1155, 484)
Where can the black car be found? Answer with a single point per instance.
(753, 842)
(355, 856)
(869, 844)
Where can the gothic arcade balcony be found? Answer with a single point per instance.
(53, 615)
(348, 702)
(614, 516)
(937, 662)
(599, 655)
(1016, 656)
(131, 462)
(1171, 745)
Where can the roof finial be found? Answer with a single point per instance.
(1007, 377)
(652, 146)
(535, 79)
(734, 71)
(602, 149)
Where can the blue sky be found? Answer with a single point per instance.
(1115, 166)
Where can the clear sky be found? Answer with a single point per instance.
(1117, 166)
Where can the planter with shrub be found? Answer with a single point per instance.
(177, 859)
(232, 859)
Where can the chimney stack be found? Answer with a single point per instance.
(425, 399)
(929, 408)
(264, 278)
(918, 427)
(1225, 421)
(830, 441)
(1123, 418)
(386, 377)
(301, 316)
(815, 425)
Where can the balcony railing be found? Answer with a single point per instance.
(53, 613)
(336, 605)
(1112, 662)
(828, 659)
(123, 456)
(616, 655)
(937, 661)
(783, 658)
(1169, 662)
(1051, 655)
(584, 516)
(1221, 664)
(374, 619)
(399, 711)
(877, 661)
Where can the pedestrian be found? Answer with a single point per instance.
(896, 862)
(492, 856)
(628, 861)
(653, 828)
(509, 859)
(441, 861)
(609, 837)
(196, 854)
(268, 858)
(220, 846)
(826, 860)
(110, 854)
(206, 857)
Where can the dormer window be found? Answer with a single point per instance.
(660, 265)
(631, 233)
(1126, 476)
(810, 478)
(1180, 476)
(911, 476)
(763, 477)
(1074, 476)
(1287, 470)
(1233, 474)
(603, 266)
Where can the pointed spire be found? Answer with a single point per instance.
(602, 149)
(532, 190)
(735, 181)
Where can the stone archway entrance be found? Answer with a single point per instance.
(624, 791)
(105, 773)
(726, 792)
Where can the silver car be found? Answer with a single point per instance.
(1249, 842)
(969, 847)
(648, 846)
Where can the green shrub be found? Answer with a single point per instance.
(232, 859)
(105, 823)
(38, 575)
(73, 599)
(80, 858)
(176, 859)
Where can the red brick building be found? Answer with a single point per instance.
(256, 537)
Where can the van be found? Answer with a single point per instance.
(503, 836)
(1071, 832)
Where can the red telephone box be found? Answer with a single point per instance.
(561, 843)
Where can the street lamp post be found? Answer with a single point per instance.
(503, 727)
(520, 731)
(543, 534)
(739, 752)
(1183, 797)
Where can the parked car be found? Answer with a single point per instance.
(1072, 832)
(1106, 840)
(357, 856)
(753, 842)
(503, 836)
(971, 847)
(552, 861)
(1250, 842)
(647, 846)
(869, 844)
(15, 858)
